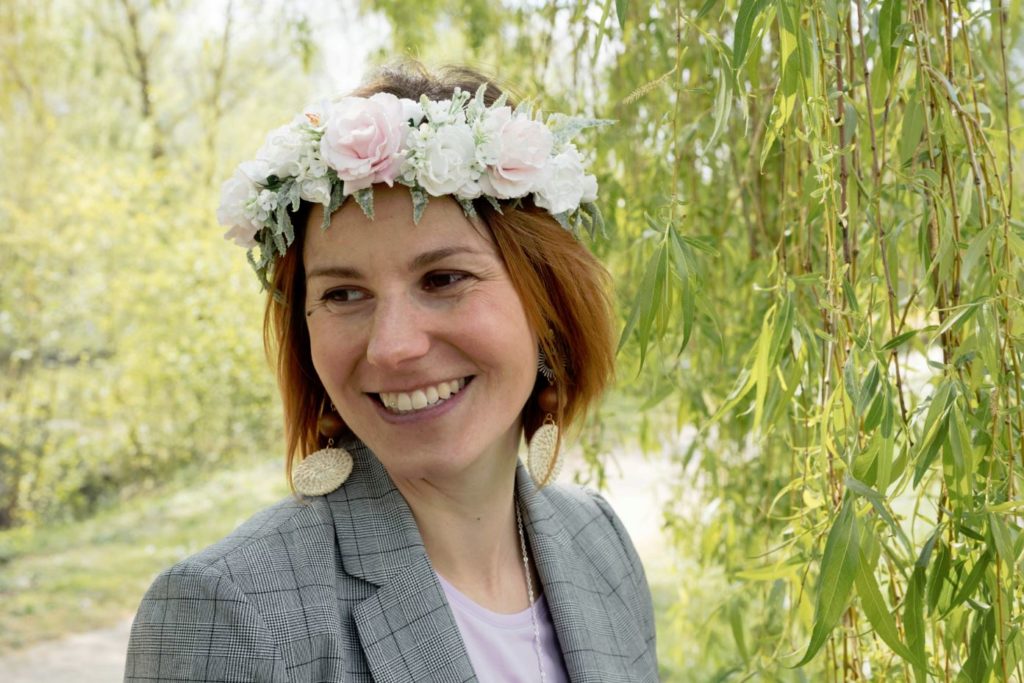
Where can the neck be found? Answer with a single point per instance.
(468, 525)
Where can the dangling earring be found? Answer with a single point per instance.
(328, 468)
(543, 368)
(542, 458)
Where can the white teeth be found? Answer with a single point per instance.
(401, 401)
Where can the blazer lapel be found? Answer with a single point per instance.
(584, 608)
(406, 628)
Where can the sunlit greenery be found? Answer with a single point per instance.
(815, 236)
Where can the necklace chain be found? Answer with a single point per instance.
(529, 591)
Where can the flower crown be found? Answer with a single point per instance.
(459, 147)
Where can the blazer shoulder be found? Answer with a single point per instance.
(593, 524)
(600, 535)
(227, 613)
(581, 506)
(286, 526)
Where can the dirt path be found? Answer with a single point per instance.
(637, 489)
(92, 657)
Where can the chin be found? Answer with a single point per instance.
(436, 463)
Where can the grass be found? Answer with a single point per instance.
(90, 574)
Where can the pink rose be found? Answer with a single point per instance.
(363, 140)
(521, 148)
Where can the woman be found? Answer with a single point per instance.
(414, 241)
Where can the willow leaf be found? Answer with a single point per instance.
(722, 108)
(736, 625)
(888, 21)
(706, 8)
(602, 27)
(899, 340)
(749, 9)
(835, 583)
(970, 584)
(878, 503)
(761, 374)
(1003, 540)
(913, 127)
(979, 653)
(913, 621)
(878, 612)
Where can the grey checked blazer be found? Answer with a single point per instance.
(339, 588)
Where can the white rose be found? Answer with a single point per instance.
(487, 129)
(317, 190)
(283, 151)
(563, 183)
(235, 195)
(256, 170)
(589, 189)
(523, 149)
(267, 201)
(440, 113)
(446, 159)
(313, 115)
(312, 165)
(412, 111)
(243, 236)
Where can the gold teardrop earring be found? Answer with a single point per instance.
(323, 471)
(542, 453)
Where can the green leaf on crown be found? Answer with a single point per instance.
(337, 199)
(564, 128)
(419, 203)
(364, 198)
(467, 207)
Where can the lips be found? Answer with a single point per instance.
(403, 402)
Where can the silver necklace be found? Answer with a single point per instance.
(529, 591)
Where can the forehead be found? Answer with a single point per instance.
(391, 235)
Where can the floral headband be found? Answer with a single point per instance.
(459, 147)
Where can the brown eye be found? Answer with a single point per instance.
(435, 281)
(343, 295)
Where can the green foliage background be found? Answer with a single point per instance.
(814, 236)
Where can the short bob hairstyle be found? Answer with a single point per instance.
(563, 288)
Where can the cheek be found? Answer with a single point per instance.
(510, 339)
(332, 359)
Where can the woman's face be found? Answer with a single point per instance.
(418, 334)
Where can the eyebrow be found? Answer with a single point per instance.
(429, 258)
(418, 262)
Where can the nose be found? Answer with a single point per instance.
(398, 334)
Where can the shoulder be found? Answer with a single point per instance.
(595, 531)
(279, 552)
(582, 509)
(598, 533)
(287, 531)
(227, 608)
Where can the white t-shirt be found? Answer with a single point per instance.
(501, 646)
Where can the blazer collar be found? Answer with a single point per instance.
(406, 628)
(571, 580)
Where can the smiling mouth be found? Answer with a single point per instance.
(404, 403)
